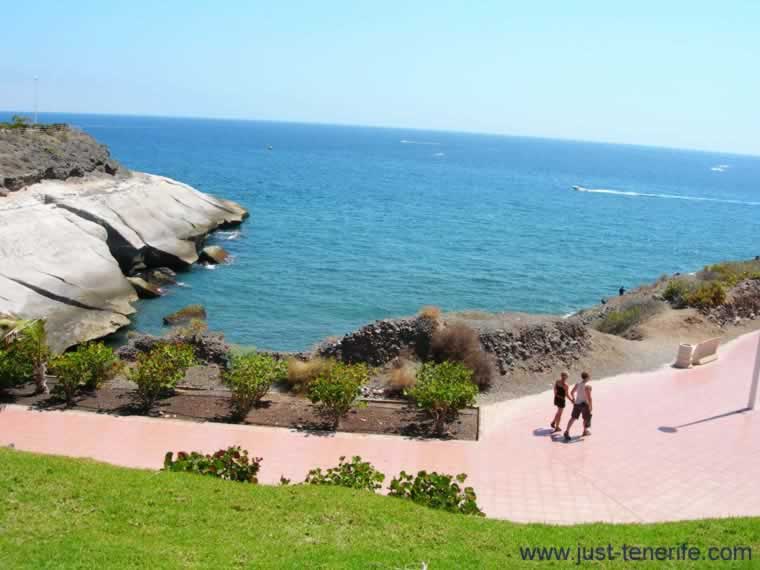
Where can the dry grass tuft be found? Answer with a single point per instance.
(459, 343)
(403, 376)
(302, 373)
(430, 312)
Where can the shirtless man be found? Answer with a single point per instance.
(583, 405)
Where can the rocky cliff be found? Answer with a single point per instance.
(66, 245)
(55, 152)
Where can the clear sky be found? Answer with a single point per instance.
(667, 72)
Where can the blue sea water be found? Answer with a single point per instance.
(351, 224)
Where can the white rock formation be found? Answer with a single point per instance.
(65, 245)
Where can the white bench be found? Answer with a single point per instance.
(701, 353)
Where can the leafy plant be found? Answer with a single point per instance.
(437, 491)
(357, 474)
(335, 390)
(707, 296)
(89, 366)
(619, 320)
(443, 389)
(250, 377)
(159, 370)
(676, 292)
(25, 353)
(231, 464)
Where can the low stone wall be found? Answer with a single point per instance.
(541, 346)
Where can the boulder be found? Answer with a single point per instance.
(214, 254)
(185, 315)
(65, 247)
(144, 289)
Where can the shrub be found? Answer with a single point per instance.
(620, 320)
(430, 312)
(94, 363)
(89, 366)
(707, 296)
(442, 390)
(730, 273)
(25, 353)
(461, 343)
(159, 370)
(356, 475)
(676, 292)
(437, 491)
(403, 377)
(231, 464)
(335, 390)
(301, 374)
(249, 379)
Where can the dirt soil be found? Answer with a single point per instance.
(278, 409)
(612, 355)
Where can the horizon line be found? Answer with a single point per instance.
(393, 128)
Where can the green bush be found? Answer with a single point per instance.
(443, 389)
(458, 342)
(356, 475)
(250, 377)
(336, 388)
(437, 491)
(676, 292)
(620, 320)
(730, 273)
(159, 371)
(231, 464)
(707, 296)
(24, 353)
(90, 366)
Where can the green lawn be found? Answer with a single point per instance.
(65, 513)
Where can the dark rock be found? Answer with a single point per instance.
(214, 254)
(186, 315)
(144, 289)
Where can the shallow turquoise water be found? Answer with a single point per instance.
(352, 224)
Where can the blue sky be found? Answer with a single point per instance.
(668, 73)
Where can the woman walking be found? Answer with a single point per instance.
(560, 395)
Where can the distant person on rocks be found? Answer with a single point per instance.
(582, 405)
(561, 393)
(621, 291)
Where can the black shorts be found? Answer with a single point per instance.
(559, 402)
(581, 410)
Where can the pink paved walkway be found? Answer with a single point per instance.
(629, 470)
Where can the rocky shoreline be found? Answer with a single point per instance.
(70, 240)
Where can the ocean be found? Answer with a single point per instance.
(352, 224)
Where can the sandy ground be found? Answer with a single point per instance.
(613, 355)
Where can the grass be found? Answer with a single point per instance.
(67, 513)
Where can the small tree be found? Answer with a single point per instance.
(159, 370)
(335, 390)
(89, 366)
(250, 377)
(443, 389)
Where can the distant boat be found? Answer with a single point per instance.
(269, 147)
(578, 188)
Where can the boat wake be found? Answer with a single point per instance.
(664, 196)
(404, 141)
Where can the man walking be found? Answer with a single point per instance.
(583, 405)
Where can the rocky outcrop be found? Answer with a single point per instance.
(209, 347)
(186, 315)
(144, 289)
(539, 346)
(743, 302)
(214, 254)
(66, 246)
(33, 154)
(381, 341)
